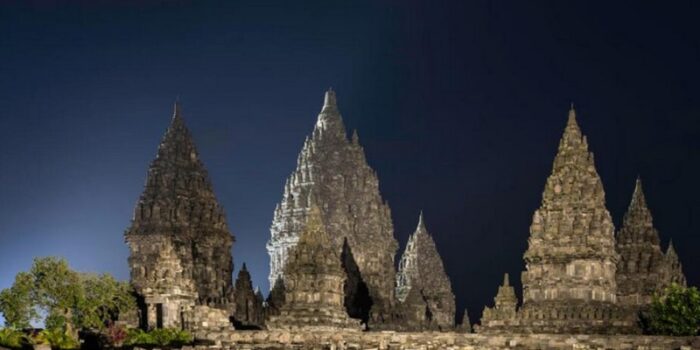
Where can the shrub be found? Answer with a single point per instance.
(158, 337)
(675, 312)
(60, 340)
(11, 338)
(115, 335)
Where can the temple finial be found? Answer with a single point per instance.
(177, 108)
(506, 280)
(572, 114)
(421, 222)
(329, 100)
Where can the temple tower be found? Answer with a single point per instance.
(248, 305)
(332, 171)
(673, 270)
(569, 283)
(504, 312)
(313, 278)
(641, 266)
(179, 241)
(421, 269)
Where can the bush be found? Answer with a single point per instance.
(158, 337)
(115, 335)
(11, 338)
(676, 312)
(60, 340)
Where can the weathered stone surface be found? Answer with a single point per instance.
(421, 269)
(313, 278)
(444, 341)
(333, 172)
(248, 304)
(466, 325)
(643, 269)
(180, 244)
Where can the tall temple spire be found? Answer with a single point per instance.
(571, 232)
(333, 173)
(178, 213)
(674, 273)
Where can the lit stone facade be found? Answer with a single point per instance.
(313, 278)
(332, 171)
(421, 270)
(180, 244)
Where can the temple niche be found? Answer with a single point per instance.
(179, 241)
(332, 171)
(422, 284)
(314, 280)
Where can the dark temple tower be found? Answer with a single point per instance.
(640, 271)
(179, 241)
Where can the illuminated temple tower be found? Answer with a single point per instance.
(569, 285)
(179, 241)
(332, 171)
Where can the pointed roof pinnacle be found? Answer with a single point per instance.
(671, 250)
(638, 198)
(572, 115)
(329, 100)
(244, 268)
(177, 108)
(506, 280)
(421, 221)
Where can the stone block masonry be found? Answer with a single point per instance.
(387, 340)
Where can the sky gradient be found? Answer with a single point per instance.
(459, 106)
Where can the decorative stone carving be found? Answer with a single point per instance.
(313, 278)
(180, 244)
(333, 172)
(421, 269)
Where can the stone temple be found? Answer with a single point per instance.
(332, 251)
(332, 171)
(179, 240)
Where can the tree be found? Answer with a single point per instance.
(70, 300)
(675, 312)
(16, 302)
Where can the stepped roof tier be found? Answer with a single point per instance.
(332, 171)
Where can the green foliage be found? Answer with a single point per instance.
(676, 312)
(16, 302)
(139, 337)
(11, 338)
(60, 339)
(158, 337)
(103, 298)
(70, 299)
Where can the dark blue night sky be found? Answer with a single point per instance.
(459, 105)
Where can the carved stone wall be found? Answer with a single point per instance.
(332, 171)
